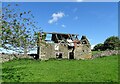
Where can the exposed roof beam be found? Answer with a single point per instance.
(59, 33)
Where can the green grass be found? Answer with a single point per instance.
(93, 70)
(96, 52)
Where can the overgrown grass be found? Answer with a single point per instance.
(93, 70)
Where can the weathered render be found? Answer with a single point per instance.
(57, 45)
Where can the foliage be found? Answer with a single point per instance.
(44, 36)
(96, 70)
(99, 47)
(17, 28)
(111, 43)
(0, 25)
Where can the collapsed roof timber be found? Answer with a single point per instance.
(62, 45)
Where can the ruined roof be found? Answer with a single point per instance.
(60, 33)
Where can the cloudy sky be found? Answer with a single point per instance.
(96, 20)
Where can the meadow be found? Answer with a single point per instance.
(103, 69)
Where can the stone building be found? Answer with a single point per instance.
(61, 45)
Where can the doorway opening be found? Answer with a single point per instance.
(59, 55)
(71, 55)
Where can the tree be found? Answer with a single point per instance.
(98, 47)
(112, 43)
(0, 35)
(18, 29)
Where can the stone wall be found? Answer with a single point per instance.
(50, 50)
(8, 57)
(64, 50)
(82, 52)
(46, 51)
(106, 53)
(78, 52)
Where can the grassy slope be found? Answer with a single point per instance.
(96, 70)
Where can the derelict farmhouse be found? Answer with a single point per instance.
(62, 45)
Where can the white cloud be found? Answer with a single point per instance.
(56, 17)
(79, 0)
(92, 46)
(63, 26)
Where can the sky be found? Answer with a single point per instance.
(59, 0)
(96, 20)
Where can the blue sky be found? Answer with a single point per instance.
(59, 0)
(96, 20)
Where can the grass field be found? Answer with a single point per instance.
(93, 70)
(96, 52)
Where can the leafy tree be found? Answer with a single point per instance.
(98, 47)
(18, 29)
(112, 43)
(0, 25)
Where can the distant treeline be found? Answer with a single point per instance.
(111, 43)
